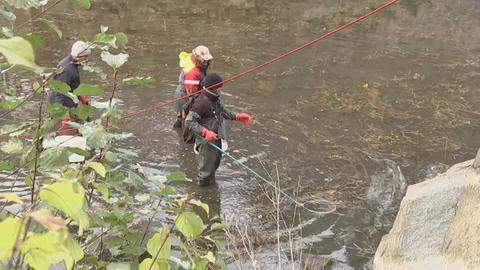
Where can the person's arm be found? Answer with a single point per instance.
(65, 77)
(227, 114)
(243, 117)
(192, 121)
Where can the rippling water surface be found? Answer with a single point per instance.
(352, 119)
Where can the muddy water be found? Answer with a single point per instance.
(352, 119)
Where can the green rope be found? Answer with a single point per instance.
(260, 177)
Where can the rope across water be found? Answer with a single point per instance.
(251, 70)
(332, 207)
(275, 59)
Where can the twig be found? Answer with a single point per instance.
(277, 206)
(111, 97)
(149, 222)
(37, 146)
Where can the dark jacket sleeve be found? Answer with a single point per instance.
(65, 77)
(227, 114)
(192, 121)
(195, 115)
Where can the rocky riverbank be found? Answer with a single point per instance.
(437, 225)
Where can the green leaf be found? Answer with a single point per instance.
(84, 111)
(74, 248)
(222, 265)
(69, 198)
(13, 146)
(11, 197)
(217, 226)
(52, 26)
(133, 250)
(9, 102)
(41, 251)
(59, 87)
(83, 3)
(29, 179)
(34, 39)
(119, 266)
(177, 176)
(135, 179)
(149, 264)
(110, 156)
(201, 264)
(10, 229)
(45, 128)
(18, 51)
(88, 90)
(7, 32)
(98, 167)
(57, 110)
(95, 134)
(167, 191)
(189, 224)
(220, 242)
(113, 112)
(94, 69)
(160, 244)
(79, 151)
(210, 257)
(55, 157)
(7, 14)
(5, 165)
(149, 81)
(198, 203)
(108, 39)
(103, 189)
(48, 220)
(121, 37)
(114, 61)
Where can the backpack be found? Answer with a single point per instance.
(187, 134)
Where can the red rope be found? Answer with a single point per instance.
(255, 68)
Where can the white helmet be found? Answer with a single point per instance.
(80, 48)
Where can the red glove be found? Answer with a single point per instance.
(245, 118)
(64, 123)
(83, 100)
(65, 129)
(209, 135)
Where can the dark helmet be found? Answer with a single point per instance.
(213, 79)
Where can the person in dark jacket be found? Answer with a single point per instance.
(204, 120)
(71, 76)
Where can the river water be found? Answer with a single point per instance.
(352, 119)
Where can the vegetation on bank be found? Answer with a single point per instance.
(96, 214)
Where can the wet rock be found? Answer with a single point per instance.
(432, 170)
(437, 225)
(476, 163)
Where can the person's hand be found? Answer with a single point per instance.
(83, 100)
(245, 118)
(209, 135)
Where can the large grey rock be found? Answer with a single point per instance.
(437, 226)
